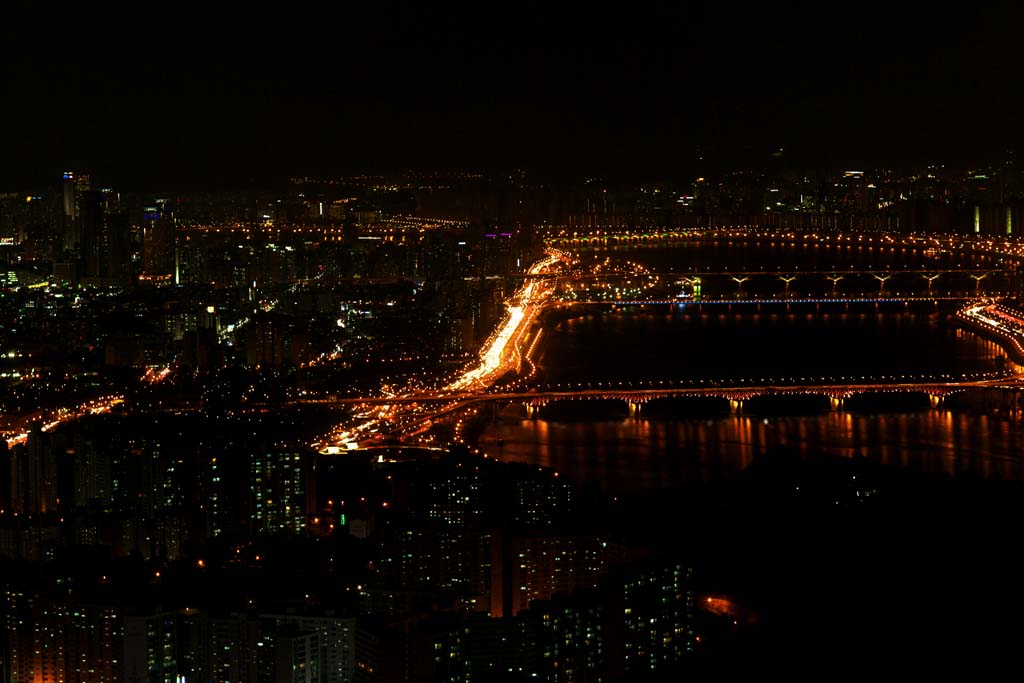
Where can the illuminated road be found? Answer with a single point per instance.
(997, 320)
(502, 353)
(15, 429)
(50, 419)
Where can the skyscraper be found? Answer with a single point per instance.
(69, 196)
(104, 238)
(281, 490)
(158, 240)
(74, 184)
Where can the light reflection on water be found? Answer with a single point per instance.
(634, 454)
(640, 348)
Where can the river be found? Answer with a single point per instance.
(687, 440)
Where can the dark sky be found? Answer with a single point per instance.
(190, 91)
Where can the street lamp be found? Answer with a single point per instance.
(977, 281)
(835, 282)
(787, 279)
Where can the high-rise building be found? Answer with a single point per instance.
(34, 475)
(228, 650)
(291, 655)
(332, 636)
(221, 495)
(57, 640)
(158, 239)
(411, 648)
(538, 567)
(74, 185)
(282, 490)
(92, 474)
(575, 630)
(162, 647)
(274, 340)
(455, 496)
(104, 238)
(68, 187)
(656, 631)
(455, 560)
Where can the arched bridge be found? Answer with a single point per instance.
(411, 415)
(441, 403)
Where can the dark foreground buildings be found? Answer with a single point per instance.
(400, 568)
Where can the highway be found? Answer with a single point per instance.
(501, 354)
(501, 351)
(17, 434)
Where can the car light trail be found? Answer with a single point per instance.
(96, 406)
(500, 355)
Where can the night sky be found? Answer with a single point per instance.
(204, 93)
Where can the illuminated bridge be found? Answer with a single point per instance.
(791, 274)
(779, 273)
(739, 391)
(416, 414)
(759, 301)
(1004, 246)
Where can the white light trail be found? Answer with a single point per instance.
(498, 356)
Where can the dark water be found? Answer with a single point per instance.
(688, 440)
(633, 454)
(635, 347)
(924, 569)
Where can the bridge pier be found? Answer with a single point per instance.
(735, 406)
(634, 408)
(836, 403)
(935, 400)
(532, 411)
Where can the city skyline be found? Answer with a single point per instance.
(388, 342)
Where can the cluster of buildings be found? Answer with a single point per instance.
(286, 566)
(98, 285)
(184, 537)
